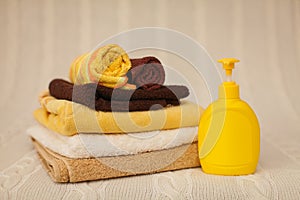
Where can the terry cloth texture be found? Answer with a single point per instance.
(170, 92)
(107, 66)
(104, 145)
(64, 169)
(146, 72)
(101, 98)
(69, 118)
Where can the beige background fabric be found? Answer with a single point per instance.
(39, 40)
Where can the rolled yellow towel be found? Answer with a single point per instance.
(106, 66)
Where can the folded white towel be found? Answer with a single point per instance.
(102, 145)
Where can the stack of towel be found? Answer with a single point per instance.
(115, 118)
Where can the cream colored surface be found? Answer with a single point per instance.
(40, 39)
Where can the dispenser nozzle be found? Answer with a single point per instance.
(228, 65)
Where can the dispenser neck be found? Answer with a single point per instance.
(229, 90)
(228, 78)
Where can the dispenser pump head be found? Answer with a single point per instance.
(228, 65)
(229, 89)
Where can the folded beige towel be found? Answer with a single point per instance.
(69, 118)
(64, 169)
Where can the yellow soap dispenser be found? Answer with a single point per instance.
(229, 134)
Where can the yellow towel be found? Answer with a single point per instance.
(107, 66)
(69, 118)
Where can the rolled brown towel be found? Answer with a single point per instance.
(146, 72)
(60, 88)
(92, 95)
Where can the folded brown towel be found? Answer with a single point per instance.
(102, 98)
(146, 72)
(123, 106)
(64, 169)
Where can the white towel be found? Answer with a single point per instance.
(101, 145)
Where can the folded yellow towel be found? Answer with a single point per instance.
(107, 66)
(69, 118)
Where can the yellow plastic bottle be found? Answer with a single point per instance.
(229, 134)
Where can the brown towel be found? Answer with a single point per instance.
(101, 98)
(64, 169)
(146, 72)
